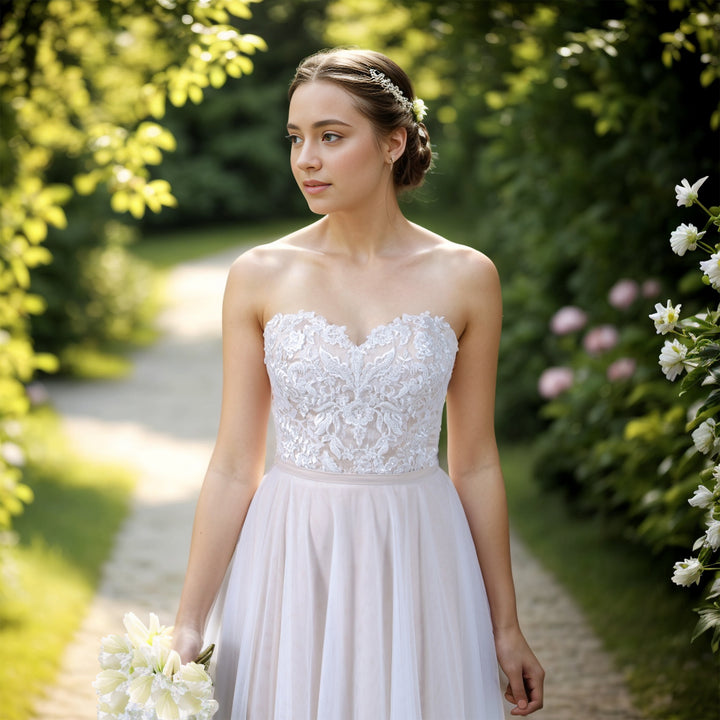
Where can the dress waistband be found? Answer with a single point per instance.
(357, 478)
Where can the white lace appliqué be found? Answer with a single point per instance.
(369, 408)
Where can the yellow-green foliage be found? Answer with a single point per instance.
(85, 81)
(63, 539)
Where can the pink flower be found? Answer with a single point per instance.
(622, 369)
(651, 288)
(623, 294)
(568, 319)
(600, 339)
(554, 381)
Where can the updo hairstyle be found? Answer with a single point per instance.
(350, 69)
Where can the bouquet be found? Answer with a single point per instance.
(142, 678)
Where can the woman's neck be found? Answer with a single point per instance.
(363, 236)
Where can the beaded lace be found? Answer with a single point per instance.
(369, 408)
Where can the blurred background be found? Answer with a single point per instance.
(138, 135)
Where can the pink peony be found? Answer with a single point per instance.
(651, 288)
(623, 294)
(568, 319)
(600, 339)
(554, 381)
(622, 369)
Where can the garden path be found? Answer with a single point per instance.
(161, 420)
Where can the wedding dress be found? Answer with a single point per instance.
(355, 592)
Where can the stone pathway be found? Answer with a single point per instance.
(162, 421)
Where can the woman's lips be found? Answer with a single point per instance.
(313, 187)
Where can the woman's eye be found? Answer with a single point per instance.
(331, 137)
(294, 139)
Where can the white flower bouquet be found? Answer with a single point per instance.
(142, 678)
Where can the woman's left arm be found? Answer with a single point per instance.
(474, 467)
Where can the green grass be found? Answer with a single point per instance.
(166, 249)
(627, 596)
(65, 536)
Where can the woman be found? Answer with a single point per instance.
(359, 580)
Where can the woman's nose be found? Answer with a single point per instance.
(307, 157)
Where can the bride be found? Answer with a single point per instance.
(356, 579)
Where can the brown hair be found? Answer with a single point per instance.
(350, 69)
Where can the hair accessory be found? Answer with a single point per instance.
(417, 107)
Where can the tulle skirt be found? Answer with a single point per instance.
(354, 597)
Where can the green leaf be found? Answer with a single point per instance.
(709, 618)
(702, 416)
(35, 229)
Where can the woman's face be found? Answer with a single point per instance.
(336, 157)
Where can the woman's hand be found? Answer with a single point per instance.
(188, 642)
(524, 672)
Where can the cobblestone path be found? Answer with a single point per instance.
(162, 420)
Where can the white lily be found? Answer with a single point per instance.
(116, 652)
(108, 681)
(140, 688)
(166, 706)
(172, 664)
(138, 633)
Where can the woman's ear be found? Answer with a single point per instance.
(395, 144)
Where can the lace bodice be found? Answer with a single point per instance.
(369, 408)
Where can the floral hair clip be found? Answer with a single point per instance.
(417, 107)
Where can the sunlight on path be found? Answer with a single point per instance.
(162, 421)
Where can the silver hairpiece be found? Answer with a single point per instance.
(417, 107)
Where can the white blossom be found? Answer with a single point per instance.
(711, 268)
(672, 358)
(140, 635)
(142, 678)
(712, 534)
(702, 497)
(687, 572)
(686, 194)
(704, 436)
(684, 238)
(665, 318)
(12, 454)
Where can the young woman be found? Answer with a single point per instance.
(356, 579)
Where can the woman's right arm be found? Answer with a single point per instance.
(238, 459)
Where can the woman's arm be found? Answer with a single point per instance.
(238, 459)
(474, 467)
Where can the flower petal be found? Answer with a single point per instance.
(140, 688)
(166, 707)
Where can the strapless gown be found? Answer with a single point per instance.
(355, 592)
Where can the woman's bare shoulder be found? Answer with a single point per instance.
(254, 273)
(263, 262)
(462, 262)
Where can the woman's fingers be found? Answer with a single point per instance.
(525, 691)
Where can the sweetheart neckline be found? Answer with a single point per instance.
(373, 331)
